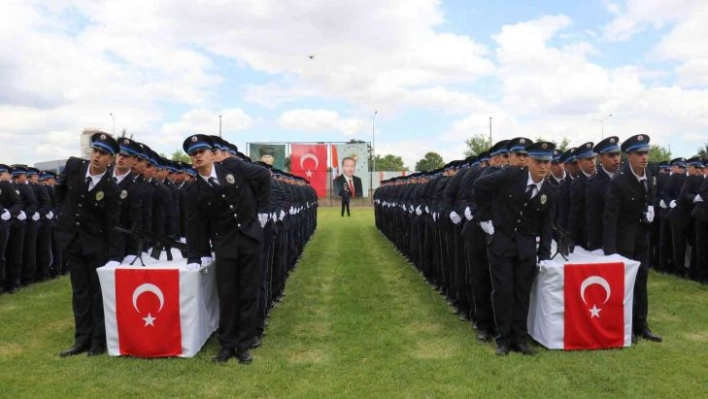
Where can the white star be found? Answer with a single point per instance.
(595, 311)
(149, 320)
(308, 173)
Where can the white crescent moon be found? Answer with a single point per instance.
(595, 280)
(311, 156)
(147, 287)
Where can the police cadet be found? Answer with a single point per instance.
(23, 233)
(577, 218)
(608, 151)
(90, 204)
(628, 214)
(131, 203)
(222, 206)
(682, 220)
(517, 205)
(48, 178)
(517, 151)
(571, 171)
(10, 206)
(671, 188)
(700, 213)
(43, 216)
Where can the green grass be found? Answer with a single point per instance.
(358, 321)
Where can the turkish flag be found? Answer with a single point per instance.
(594, 305)
(148, 313)
(310, 161)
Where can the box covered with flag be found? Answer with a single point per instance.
(584, 303)
(159, 310)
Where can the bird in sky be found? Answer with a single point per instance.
(311, 56)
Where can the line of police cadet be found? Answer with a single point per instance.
(151, 198)
(440, 221)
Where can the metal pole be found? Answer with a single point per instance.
(219, 125)
(114, 124)
(490, 131)
(373, 152)
(602, 125)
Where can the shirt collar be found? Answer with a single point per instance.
(213, 174)
(608, 172)
(530, 181)
(639, 179)
(95, 178)
(119, 178)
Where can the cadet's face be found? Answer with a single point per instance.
(694, 171)
(124, 162)
(573, 168)
(611, 162)
(22, 179)
(539, 169)
(349, 166)
(5, 176)
(587, 165)
(518, 159)
(149, 171)
(677, 170)
(50, 182)
(202, 160)
(557, 169)
(638, 159)
(220, 155)
(100, 161)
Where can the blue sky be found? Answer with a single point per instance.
(434, 70)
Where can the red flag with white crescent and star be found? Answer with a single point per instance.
(148, 313)
(594, 305)
(310, 161)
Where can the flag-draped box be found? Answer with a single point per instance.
(584, 303)
(158, 311)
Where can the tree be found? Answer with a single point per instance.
(179, 155)
(369, 150)
(287, 164)
(390, 163)
(477, 144)
(430, 161)
(658, 153)
(703, 150)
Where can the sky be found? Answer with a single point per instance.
(432, 72)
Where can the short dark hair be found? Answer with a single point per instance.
(348, 158)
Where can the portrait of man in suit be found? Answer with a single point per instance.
(267, 155)
(347, 178)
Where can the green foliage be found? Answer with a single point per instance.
(562, 146)
(358, 321)
(658, 153)
(431, 161)
(390, 163)
(477, 144)
(703, 150)
(180, 155)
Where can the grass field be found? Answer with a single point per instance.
(358, 321)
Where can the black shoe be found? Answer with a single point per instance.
(244, 356)
(502, 350)
(74, 350)
(484, 336)
(97, 350)
(523, 349)
(650, 336)
(256, 343)
(224, 355)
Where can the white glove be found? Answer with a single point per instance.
(282, 215)
(273, 216)
(22, 215)
(487, 227)
(598, 252)
(35, 216)
(193, 266)
(546, 264)
(291, 210)
(263, 219)
(697, 198)
(455, 217)
(662, 204)
(129, 259)
(5, 215)
(50, 215)
(112, 263)
(206, 260)
(468, 213)
(434, 218)
(427, 210)
(672, 204)
(418, 211)
(650, 214)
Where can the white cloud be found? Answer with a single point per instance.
(321, 120)
(202, 121)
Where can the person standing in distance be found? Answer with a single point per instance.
(627, 223)
(346, 196)
(89, 203)
(227, 205)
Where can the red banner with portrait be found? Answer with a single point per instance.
(310, 162)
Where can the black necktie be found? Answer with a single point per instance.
(645, 183)
(213, 182)
(88, 183)
(530, 190)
